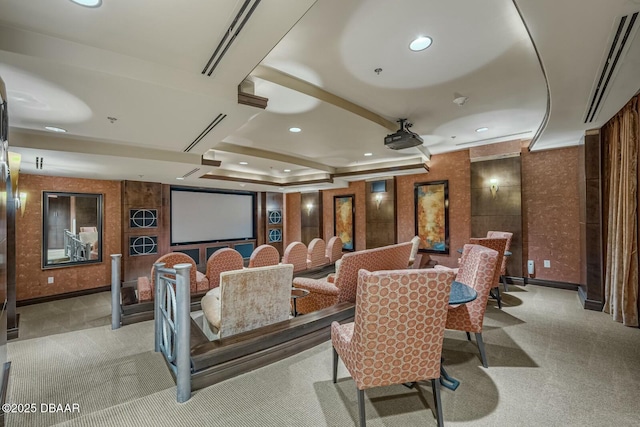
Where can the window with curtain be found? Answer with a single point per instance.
(621, 136)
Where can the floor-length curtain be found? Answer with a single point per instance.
(621, 282)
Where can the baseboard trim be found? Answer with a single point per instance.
(57, 297)
(12, 333)
(6, 370)
(589, 304)
(540, 282)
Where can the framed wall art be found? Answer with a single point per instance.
(432, 216)
(344, 221)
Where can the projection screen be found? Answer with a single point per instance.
(207, 216)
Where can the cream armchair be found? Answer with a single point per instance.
(248, 299)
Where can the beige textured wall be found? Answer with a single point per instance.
(292, 221)
(551, 215)
(31, 280)
(454, 167)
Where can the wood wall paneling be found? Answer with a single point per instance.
(356, 188)
(502, 212)
(310, 219)
(381, 217)
(274, 202)
(142, 195)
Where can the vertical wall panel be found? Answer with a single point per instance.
(381, 218)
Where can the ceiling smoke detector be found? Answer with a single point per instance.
(460, 100)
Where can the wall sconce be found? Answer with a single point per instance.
(21, 202)
(378, 200)
(309, 208)
(494, 187)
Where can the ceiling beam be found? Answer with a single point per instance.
(278, 77)
(270, 155)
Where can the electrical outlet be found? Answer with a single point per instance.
(50, 280)
(547, 263)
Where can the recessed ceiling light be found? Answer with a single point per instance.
(180, 178)
(244, 163)
(368, 154)
(421, 43)
(287, 170)
(88, 3)
(482, 130)
(295, 130)
(55, 129)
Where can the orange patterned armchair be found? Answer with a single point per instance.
(263, 256)
(317, 253)
(499, 246)
(503, 264)
(404, 344)
(146, 285)
(296, 254)
(334, 249)
(477, 270)
(324, 293)
(225, 259)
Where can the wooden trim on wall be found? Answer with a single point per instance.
(523, 281)
(56, 297)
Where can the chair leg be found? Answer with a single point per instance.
(363, 420)
(497, 288)
(468, 336)
(335, 364)
(504, 283)
(435, 387)
(483, 355)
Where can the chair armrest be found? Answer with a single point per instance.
(318, 286)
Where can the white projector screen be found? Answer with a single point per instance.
(204, 216)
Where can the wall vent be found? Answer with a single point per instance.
(626, 26)
(220, 117)
(230, 35)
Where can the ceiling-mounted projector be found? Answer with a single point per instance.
(403, 138)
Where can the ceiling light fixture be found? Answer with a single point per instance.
(420, 43)
(55, 129)
(484, 129)
(244, 163)
(287, 170)
(88, 3)
(459, 99)
(368, 154)
(295, 130)
(180, 178)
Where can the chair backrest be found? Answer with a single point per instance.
(264, 255)
(316, 254)
(172, 259)
(414, 249)
(477, 270)
(255, 297)
(502, 235)
(296, 254)
(225, 259)
(399, 325)
(334, 249)
(497, 245)
(393, 257)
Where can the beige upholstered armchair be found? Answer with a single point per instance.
(342, 286)
(248, 299)
(414, 249)
(199, 282)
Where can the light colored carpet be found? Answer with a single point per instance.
(551, 364)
